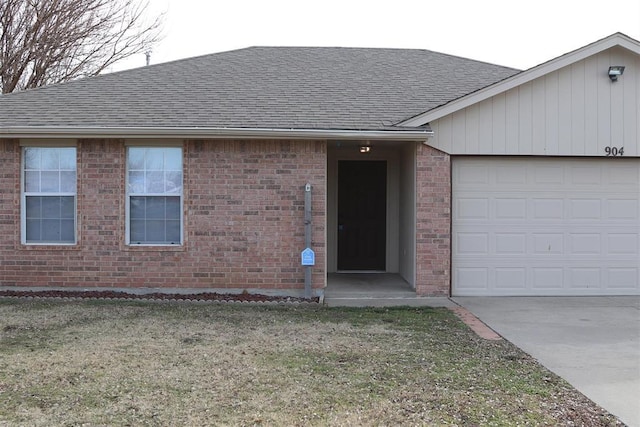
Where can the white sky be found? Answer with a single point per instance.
(515, 33)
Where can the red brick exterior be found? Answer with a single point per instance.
(433, 222)
(243, 220)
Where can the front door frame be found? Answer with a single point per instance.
(349, 151)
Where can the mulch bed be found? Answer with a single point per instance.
(119, 295)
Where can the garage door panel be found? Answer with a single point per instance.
(511, 208)
(568, 230)
(581, 278)
(549, 174)
(622, 243)
(585, 243)
(585, 209)
(546, 280)
(566, 245)
(622, 209)
(585, 176)
(548, 243)
(511, 243)
(473, 208)
(547, 209)
(511, 278)
(473, 243)
(623, 278)
(473, 279)
(623, 176)
(507, 175)
(473, 175)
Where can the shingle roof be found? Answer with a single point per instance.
(260, 87)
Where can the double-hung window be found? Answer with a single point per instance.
(49, 195)
(154, 195)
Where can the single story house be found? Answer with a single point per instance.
(462, 177)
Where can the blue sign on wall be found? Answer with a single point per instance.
(308, 257)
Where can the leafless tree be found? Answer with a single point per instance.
(51, 41)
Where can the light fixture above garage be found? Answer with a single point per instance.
(615, 71)
(365, 148)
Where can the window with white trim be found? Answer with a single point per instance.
(49, 195)
(154, 195)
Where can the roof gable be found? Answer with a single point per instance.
(617, 39)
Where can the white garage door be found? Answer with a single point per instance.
(540, 226)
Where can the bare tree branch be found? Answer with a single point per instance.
(51, 41)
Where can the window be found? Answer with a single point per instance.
(154, 196)
(49, 195)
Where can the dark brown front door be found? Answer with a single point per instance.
(362, 215)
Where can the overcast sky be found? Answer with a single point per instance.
(515, 33)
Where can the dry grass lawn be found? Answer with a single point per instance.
(144, 363)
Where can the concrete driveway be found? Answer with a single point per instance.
(592, 342)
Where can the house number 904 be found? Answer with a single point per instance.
(614, 151)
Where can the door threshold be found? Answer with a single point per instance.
(360, 271)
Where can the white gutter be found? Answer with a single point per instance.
(211, 133)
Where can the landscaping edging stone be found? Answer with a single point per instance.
(204, 297)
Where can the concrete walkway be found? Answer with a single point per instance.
(592, 342)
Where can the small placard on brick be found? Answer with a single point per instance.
(308, 257)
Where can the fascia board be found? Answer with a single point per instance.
(522, 78)
(56, 132)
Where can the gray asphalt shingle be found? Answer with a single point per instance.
(260, 87)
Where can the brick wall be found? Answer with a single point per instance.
(243, 220)
(433, 222)
(9, 199)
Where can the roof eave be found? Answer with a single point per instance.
(56, 132)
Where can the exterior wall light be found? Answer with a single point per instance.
(615, 71)
(365, 148)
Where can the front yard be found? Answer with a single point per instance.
(148, 363)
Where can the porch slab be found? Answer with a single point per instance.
(390, 302)
(376, 290)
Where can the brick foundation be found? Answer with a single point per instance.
(243, 220)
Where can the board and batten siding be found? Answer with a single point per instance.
(574, 111)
